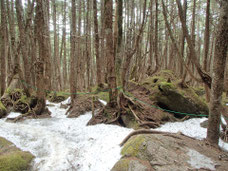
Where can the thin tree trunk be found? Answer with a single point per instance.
(221, 47)
(130, 54)
(110, 53)
(206, 46)
(73, 82)
(96, 42)
(204, 76)
(3, 47)
(88, 45)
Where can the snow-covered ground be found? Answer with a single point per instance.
(191, 128)
(61, 143)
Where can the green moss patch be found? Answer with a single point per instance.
(134, 147)
(122, 165)
(3, 111)
(57, 97)
(12, 158)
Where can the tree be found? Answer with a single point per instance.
(108, 10)
(73, 82)
(221, 47)
(206, 45)
(43, 53)
(3, 47)
(191, 45)
(96, 42)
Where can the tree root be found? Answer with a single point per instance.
(149, 124)
(115, 119)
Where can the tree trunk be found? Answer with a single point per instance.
(206, 46)
(43, 53)
(73, 82)
(110, 53)
(96, 42)
(3, 47)
(221, 47)
(130, 54)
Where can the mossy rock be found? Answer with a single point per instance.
(12, 158)
(167, 93)
(160, 152)
(57, 97)
(200, 91)
(3, 110)
(135, 147)
(132, 164)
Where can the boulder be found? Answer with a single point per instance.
(163, 152)
(12, 158)
(170, 94)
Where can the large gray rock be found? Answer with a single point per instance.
(157, 152)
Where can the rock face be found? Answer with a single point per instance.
(12, 158)
(169, 93)
(157, 152)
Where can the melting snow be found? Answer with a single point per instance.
(61, 143)
(13, 115)
(191, 128)
(198, 160)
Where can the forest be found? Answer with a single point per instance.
(133, 65)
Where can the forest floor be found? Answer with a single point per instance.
(61, 143)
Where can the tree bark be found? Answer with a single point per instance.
(3, 47)
(206, 46)
(96, 42)
(221, 47)
(73, 82)
(110, 53)
(43, 53)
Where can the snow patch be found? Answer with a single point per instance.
(13, 115)
(198, 160)
(191, 128)
(65, 144)
(103, 102)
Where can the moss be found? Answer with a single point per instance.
(122, 165)
(2, 107)
(166, 86)
(103, 96)
(134, 147)
(21, 91)
(4, 143)
(3, 110)
(8, 90)
(13, 159)
(200, 91)
(129, 120)
(24, 99)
